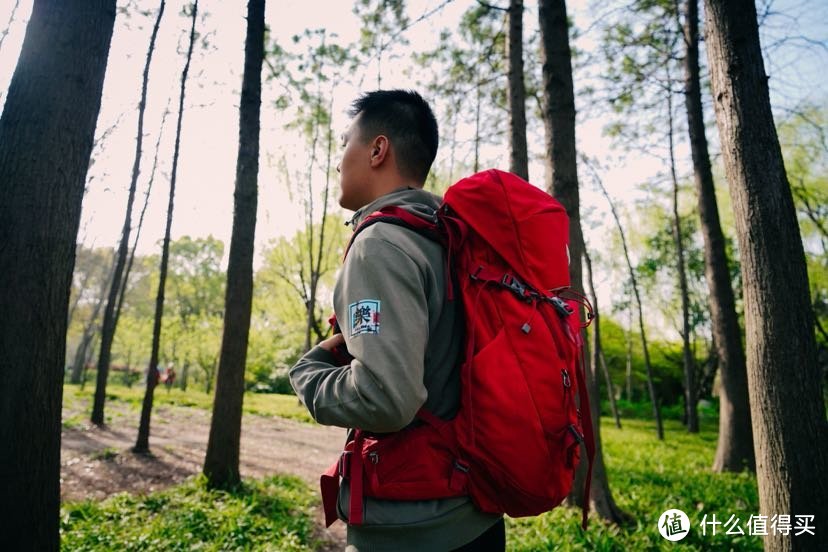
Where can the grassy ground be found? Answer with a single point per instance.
(273, 514)
(647, 477)
(284, 406)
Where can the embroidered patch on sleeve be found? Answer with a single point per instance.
(365, 317)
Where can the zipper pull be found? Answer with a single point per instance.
(565, 376)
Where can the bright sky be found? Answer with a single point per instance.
(204, 199)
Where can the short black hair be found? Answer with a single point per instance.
(408, 122)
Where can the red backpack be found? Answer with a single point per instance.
(514, 443)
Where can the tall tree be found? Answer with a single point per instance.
(735, 447)
(691, 411)
(784, 381)
(562, 182)
(519, 157)
(46, 135)
(221, 464)
(142, 441)
(110, 321)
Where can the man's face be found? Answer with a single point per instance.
(354, 168)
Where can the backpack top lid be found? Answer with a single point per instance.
(527, 227)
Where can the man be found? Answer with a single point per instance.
(403, 334)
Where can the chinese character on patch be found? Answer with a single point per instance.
(365, 317)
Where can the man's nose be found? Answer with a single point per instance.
(337, 167)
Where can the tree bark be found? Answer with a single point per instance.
(562, 182)
(110, 322)
(519, 157)
(142, 441)
(46, 135)
(784, 380)
(221, 464)
(734, 451)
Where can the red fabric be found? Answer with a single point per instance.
(515, 442)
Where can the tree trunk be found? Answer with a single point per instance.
(88, 334)
(562, 182)
(519, 158)
(477, 128)
(111, 313)
(598, 351)
(46, 135)
(691, 413)
(185, 373)
(125, 279)
(221, 464)
(629, 343)
(735, 449)
(610, 388)
(142, 441)
(784, 380)
(648, 365)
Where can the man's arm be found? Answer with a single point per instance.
(381, 307)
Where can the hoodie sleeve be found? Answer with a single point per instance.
(380, 303)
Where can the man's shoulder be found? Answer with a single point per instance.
(409, 241)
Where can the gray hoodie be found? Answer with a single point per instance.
(405, 337)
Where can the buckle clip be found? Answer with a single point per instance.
(514, 285)
(560, 305)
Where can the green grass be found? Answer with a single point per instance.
(648, 477)
(272, 514)
(283, 406)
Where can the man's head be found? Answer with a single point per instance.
(392, 142)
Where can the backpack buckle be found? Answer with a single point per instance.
(561, 306)
(514, 285)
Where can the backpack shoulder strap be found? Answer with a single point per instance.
(393, 214)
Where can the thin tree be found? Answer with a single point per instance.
(46, 135)
(784, 379)
(110, 321)
(634, 282)
(5, 31)
(142, 441)
(562, 182)
(221, 464)
(150, 182)
(735, 447)
(689, 362)
(597, 349)
(89, 330)
(518, 156)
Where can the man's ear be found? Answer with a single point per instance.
(379, 150)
